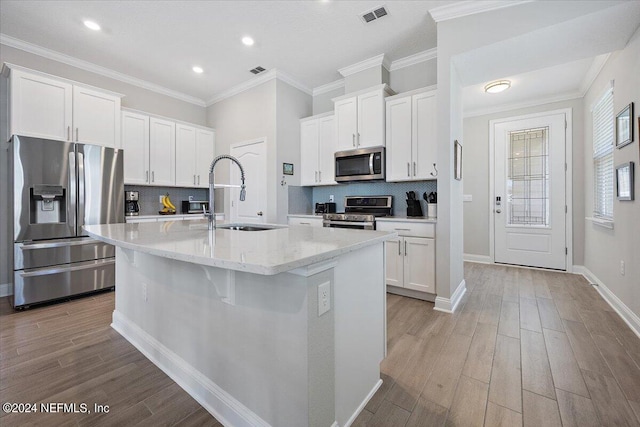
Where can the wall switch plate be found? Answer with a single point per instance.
(144, 292)
(622, 267)
(331, 198)
(467, 198)
(324, 298)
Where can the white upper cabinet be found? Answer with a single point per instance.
(44, 106)
(162, 152)
(317, 148)
(411, 137)
(40, 106)
(96, 117)
(185, 155)
(359, 119)
(135, 142)
(205, 152)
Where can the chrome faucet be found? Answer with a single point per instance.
(211, 216)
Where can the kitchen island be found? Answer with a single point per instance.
(237, 318)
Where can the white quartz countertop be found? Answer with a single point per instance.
(195, 216)
(305, 216)
(265, 252)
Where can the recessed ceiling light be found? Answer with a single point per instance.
(92, 25)
(497, 86)
(198, 70)
(247, 41)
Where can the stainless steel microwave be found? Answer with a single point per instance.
(363, 164)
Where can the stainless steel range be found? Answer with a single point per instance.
(360, 212)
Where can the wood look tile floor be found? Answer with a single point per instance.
(525, 347)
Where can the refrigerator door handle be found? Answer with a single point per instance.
(71, 186)
(81, 188)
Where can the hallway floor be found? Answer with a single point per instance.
(526, 347)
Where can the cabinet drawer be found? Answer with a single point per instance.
(313, 222)
(414, 229)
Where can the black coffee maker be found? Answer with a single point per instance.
(131, 206)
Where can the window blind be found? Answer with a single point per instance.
(603, 129)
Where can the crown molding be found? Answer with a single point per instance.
(593, 71)
(257, 81)
(515, 106)
(338, 84)
(417, 58)
(97, 69)
(470, 7)
(376, 61)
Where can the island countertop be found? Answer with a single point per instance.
(265, 252)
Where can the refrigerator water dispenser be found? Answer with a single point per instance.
(48, 204)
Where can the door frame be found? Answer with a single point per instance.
(568, 157)
(242, 144)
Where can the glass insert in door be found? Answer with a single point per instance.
(528, 178)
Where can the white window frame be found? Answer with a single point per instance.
(603, 121)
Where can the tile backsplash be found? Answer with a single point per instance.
(149, 204)
(298, 201)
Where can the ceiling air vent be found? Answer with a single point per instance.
(374, 14)
(257, 70)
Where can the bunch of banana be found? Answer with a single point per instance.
(169, 208)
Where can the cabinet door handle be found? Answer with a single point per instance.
(198, 179)
(305, 223)
(353, 139)
(153, 176)
(319, 176)
(358, 140)
(408, 169)
(77, 137)
(402, 229)
(194, 180)
(146, 176)
(316, 178)
(68, 133)
(414, 168)
(405, 248)
(399, 248)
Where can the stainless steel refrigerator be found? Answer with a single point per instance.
(57, 188)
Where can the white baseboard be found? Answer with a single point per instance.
(6, 289)
(448, 305)
(226, 409)
(411, 293)
(629, 317)
(361, 406)
(480, 259)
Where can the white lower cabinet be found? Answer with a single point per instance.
(410, 259)
(310, 221)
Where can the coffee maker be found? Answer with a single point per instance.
(131, 206)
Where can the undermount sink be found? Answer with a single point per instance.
(246, 227)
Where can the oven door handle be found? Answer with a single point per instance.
(364, 224)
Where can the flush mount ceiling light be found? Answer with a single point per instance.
(198, 70)
(247, 41)
(92, 25)
(497, 86)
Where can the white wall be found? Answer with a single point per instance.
(477, 178)
(244, 117)
(366, 78)
(604, 249)
(292, 105)
(415, 76)
(322, 103)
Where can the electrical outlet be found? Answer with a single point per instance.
(144, 292)
(160, 199)
(191, 198)
(331, 198)
(622, 267)
(324, 298)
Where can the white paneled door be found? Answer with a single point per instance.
(529, 191)
(253, 157)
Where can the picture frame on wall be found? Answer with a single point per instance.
(624, 126)
(624, 181)
(457, 160)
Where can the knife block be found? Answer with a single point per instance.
(414, 208)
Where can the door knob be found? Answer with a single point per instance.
(498, 210)
(260, 213)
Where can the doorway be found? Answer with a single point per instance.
(531, 190)
(253, 157)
